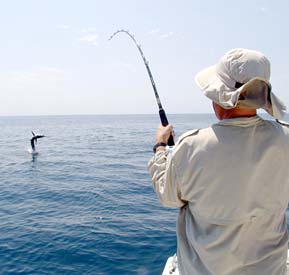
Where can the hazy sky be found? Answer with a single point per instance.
(55, 57)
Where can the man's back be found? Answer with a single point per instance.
(242, 160)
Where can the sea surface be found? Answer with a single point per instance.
(85, 204)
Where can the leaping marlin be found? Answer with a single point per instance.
(33, 140)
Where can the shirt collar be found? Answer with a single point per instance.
(241, 121)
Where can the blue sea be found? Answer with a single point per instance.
(85, 204)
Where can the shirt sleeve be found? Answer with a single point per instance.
(165, 181)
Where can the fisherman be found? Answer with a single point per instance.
(33, 140)
(230, 180)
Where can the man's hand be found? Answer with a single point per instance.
(163, 133)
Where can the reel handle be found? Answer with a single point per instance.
(165, 122)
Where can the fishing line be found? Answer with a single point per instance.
(162, 112)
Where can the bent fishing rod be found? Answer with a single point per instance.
(162, 112)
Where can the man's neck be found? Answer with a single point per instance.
(237, 114)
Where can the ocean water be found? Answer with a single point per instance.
(85, 203)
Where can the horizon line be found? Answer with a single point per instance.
(102, 114)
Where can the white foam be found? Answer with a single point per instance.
(32, 152)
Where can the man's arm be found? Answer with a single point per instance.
(163, 171)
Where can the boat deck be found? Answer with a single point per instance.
(171, 267)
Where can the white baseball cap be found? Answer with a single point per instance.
(241, 78)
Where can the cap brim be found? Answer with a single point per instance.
(215, 89)
(206, 77)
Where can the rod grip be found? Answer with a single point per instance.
(165, 122)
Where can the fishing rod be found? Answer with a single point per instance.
(162, 113)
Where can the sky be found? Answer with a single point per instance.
(56, 59)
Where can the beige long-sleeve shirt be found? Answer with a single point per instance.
(231, 183)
